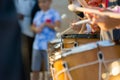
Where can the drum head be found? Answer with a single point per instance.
(84, 48)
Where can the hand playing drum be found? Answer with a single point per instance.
(104, 22)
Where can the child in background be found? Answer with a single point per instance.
(44, 24)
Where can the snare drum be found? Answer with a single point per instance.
(74, 40)
(85, 62)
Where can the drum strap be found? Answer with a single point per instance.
(101, 61)
(81, 66)
(67, 70)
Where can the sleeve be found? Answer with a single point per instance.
(36, 17)
(57, 17)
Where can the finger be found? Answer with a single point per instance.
(93, 3)
(102, 9)
(89, 16)
(94, 18)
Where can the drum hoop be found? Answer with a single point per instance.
(56, 41)
(84, 48)
(87, 36)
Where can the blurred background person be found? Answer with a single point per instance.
(24, 10)
(34, 10)
(44, 24)
(11, 65)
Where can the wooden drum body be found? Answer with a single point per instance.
(86, 62)
(74, 40)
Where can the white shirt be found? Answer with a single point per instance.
(25, 7)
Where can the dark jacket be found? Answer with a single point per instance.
(34, 10)
(11, 67)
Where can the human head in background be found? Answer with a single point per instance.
(44, 4)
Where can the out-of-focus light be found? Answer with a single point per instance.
(104, 75)
(63, 16)
(115, 71)
(58, 34)
(115, 68)
(57, 53)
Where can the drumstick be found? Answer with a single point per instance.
(81, 22)
(77, 23)
(73, 7)
(66, 30)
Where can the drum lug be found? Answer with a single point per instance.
(65, 65)
(76, 44)
(100, 55)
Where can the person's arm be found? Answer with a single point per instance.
(37, 30)
(105, 22)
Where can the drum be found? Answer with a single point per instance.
(114, 71)
(117, 77)
(74, 40)
(54, 46)
(85, 62)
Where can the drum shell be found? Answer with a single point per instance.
(88, 72)
(117, 77)
(70, 40)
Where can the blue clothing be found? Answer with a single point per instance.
(47, 34)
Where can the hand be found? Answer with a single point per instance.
(48, 22)
(104, 22)
(95, 2)
(95, 28)
(20, 16)
(37, 29)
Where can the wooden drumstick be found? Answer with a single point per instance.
(66, 30)
(73, 7)
(82, 21)
(77, 23)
